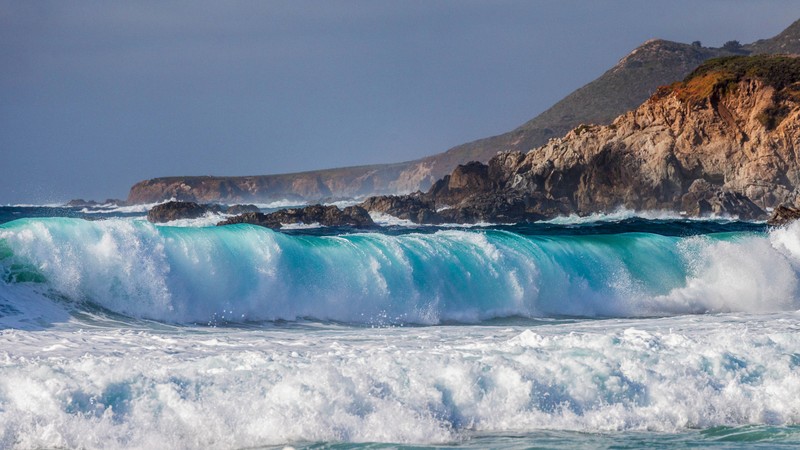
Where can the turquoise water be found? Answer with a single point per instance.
(766, 437)
(609, 332)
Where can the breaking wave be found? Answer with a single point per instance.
(248, 273)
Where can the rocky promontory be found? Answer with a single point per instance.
(725, 141)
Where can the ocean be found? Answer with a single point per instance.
(611, 331)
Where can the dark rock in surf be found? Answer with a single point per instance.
(704, 199)
(81, 203)
(169, 211)
(241, 209)
(329, 216)
(414, 207)
(783, 215)
(474, 192)
(253, 218)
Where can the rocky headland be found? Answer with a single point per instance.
(725, 141)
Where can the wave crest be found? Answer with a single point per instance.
(246, 273)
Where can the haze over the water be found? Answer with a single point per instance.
(95, 96)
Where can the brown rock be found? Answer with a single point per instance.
(783, 215)
(702, 146)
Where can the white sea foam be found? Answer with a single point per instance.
(209, 219)
(92, 388)
(623, 214)
(341, 204)
(30, 205)
(387, 220)
(280, 204)
(127, 209)
(300, 226)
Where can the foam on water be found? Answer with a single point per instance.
(623, 214)
(247, 273)
(217, 388)
(110, 208)
(280, 204)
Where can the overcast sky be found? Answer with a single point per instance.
(97, 95)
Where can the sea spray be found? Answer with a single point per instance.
(247, 273)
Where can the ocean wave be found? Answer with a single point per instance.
(249, 273)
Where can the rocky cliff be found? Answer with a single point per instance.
(724, 141)
(622, 88)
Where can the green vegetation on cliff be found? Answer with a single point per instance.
(776, 71)
(718, 76)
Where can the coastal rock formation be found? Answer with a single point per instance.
(174, 210)
(623, 87)
(414, 207)
(169, 211)
(783, 215)
(331, 216)
(726, 141)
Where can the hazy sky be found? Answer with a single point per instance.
(97, 95)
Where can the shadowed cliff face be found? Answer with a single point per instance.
(620, 89)
(725, 141)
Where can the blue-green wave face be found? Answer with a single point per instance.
(246, 273)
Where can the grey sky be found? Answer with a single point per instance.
(96, 95)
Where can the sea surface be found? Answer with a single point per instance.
(610, 331)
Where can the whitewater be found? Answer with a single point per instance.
(610, 331)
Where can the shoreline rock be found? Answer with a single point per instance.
(169, 211)
(330, 216)
(783, 215)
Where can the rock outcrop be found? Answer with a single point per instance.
(331, 216)
(783, 215)
(175, 210)
(726, 141)
(170, 211)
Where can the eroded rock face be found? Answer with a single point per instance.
(331, 216)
